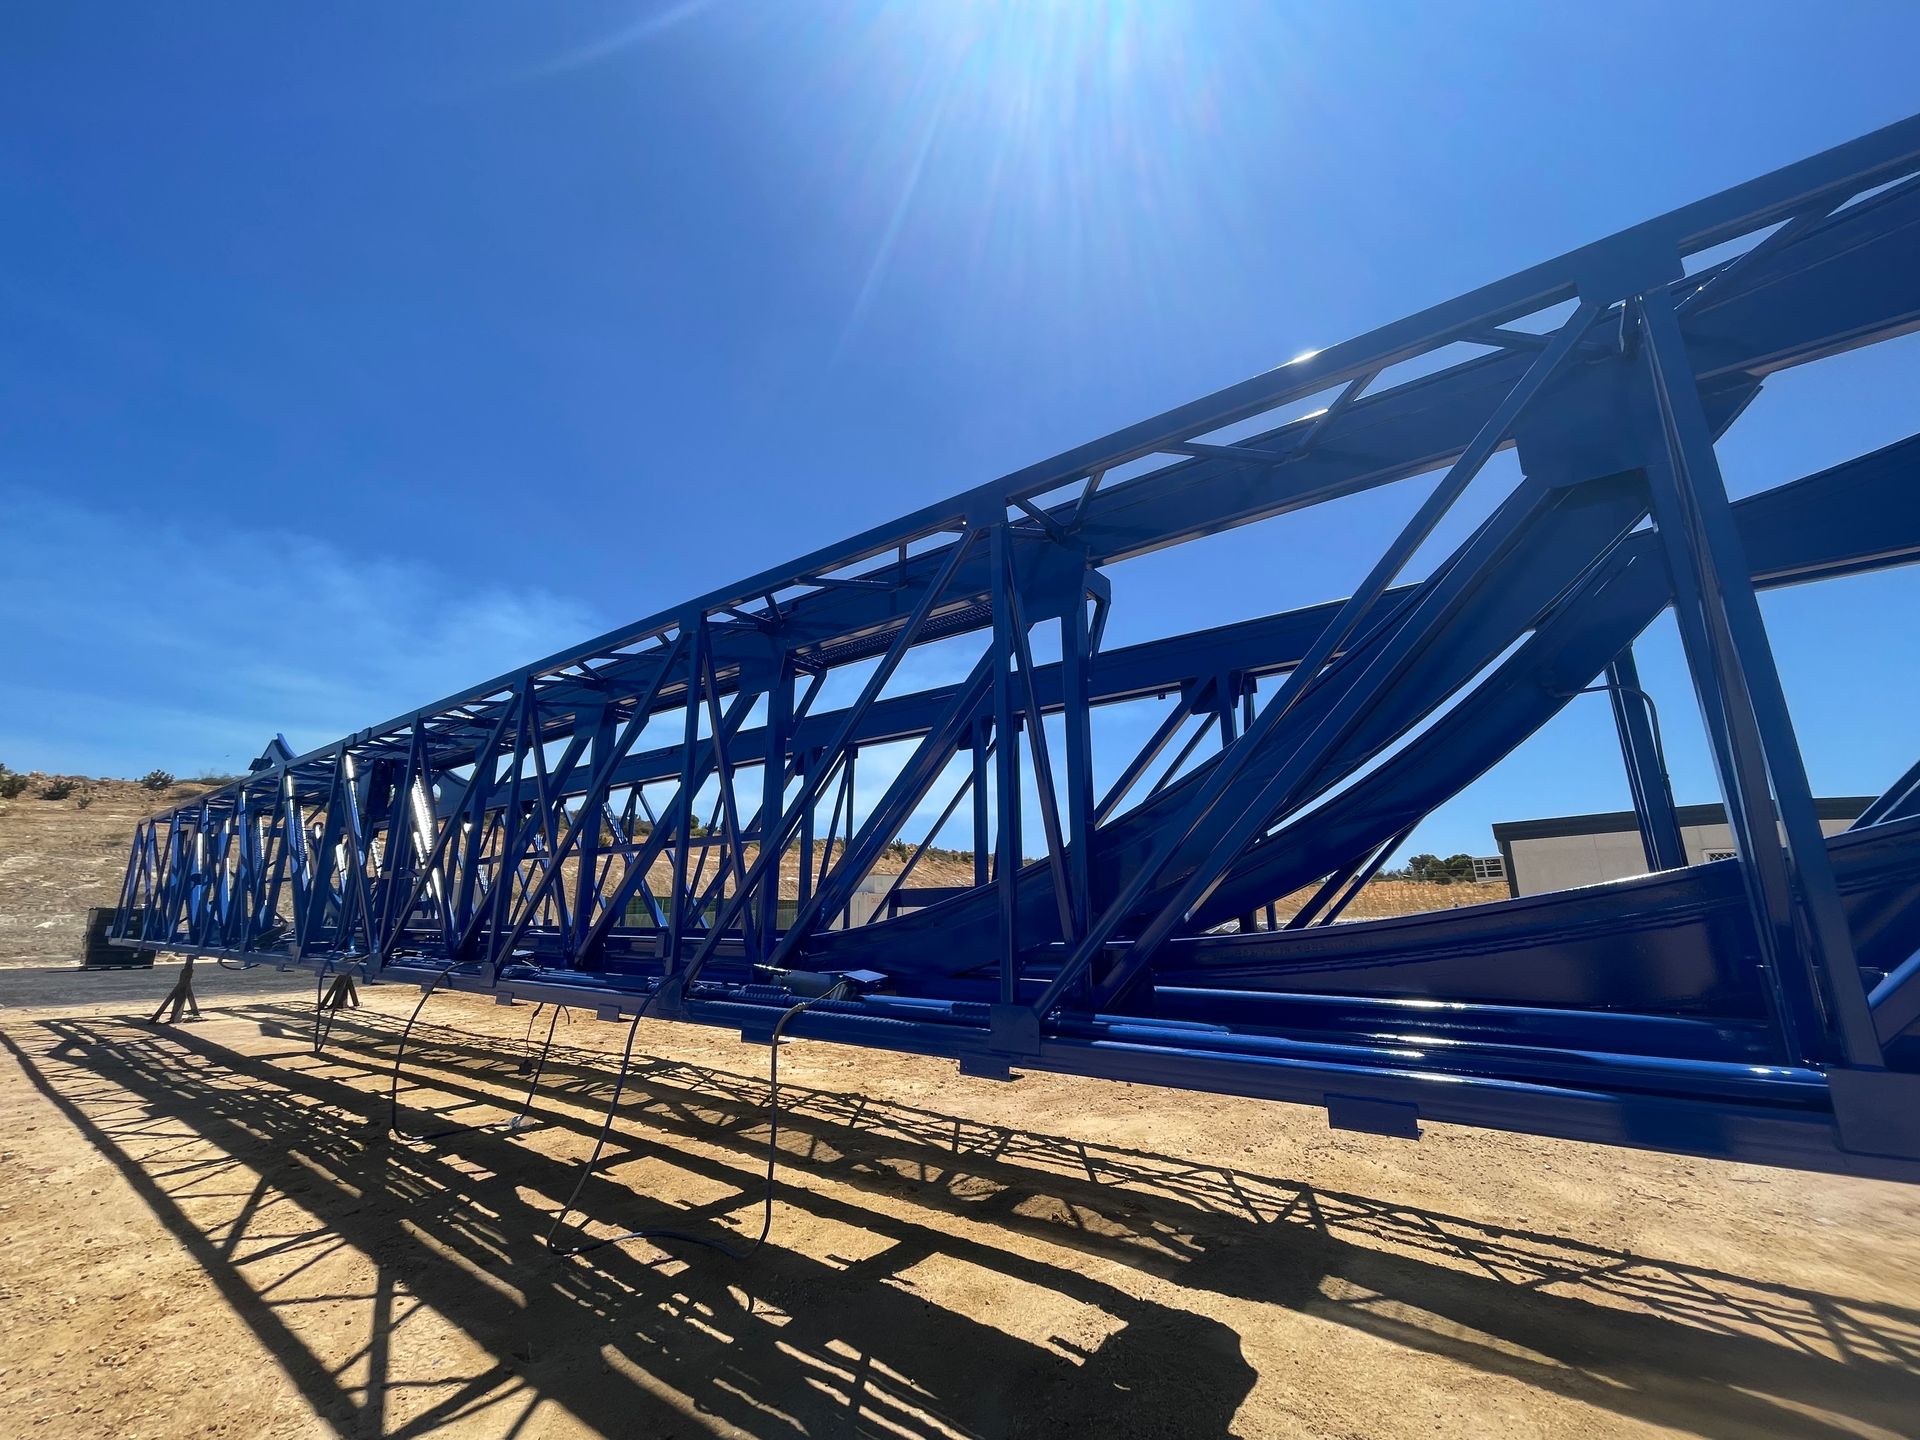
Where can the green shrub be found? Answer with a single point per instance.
(157, 780)
(11, 785)
(58, 788)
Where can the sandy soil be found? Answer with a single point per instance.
(207, 1230)
(57, 857)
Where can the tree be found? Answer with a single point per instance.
(1432, 870)
(1425, 868)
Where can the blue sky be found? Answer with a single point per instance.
(354, 353)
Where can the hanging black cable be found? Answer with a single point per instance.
(606, 1128)
(400, 1055)
(528, 1060)
(322, 1031)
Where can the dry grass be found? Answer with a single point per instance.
(59, 857)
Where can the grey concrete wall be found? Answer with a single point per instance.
(1565, 862)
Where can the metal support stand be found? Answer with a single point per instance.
(342, 994)
(179, 999)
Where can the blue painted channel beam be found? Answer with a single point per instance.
(610, 825)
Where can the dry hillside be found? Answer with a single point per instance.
(58, 856)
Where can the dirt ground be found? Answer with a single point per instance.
(57, 857)
(206, 1230)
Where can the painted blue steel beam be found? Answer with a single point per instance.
(1863, 514)
(1855, 517)
(1857, 262)
(496, 832)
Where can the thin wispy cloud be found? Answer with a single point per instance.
(646, 27)
(190, 648)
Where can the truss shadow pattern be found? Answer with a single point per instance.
(272, 1166)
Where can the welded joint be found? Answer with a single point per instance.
(1013, 1029)
(1629, 264)
(670, 1000)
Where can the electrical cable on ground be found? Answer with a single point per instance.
(606, 1128)
(400, 1055)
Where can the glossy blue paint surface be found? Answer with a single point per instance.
(506, 838)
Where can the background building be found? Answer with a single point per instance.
(1575, 850)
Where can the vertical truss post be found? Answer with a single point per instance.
(356, 889)
(216, 895)
(201, 887)
(280, 846)
(1006, 770)
(695, 628)
(549, 895)
(842, 802)
(375, 816)
(320, 884)
(982, 807)
(849, 793)
(603, 727)
(1232, 712)
(299, 848)
(808, 765)
(773, 800)
(494, 916)
(406, 848)
(1076, 669)
(1797, 907)
(179, 871)
(1038, 753)
(1646, 765)
(130, 881)
(469, 912)
(254, 861)
(731, 841)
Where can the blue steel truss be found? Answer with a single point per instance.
(513, 838)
